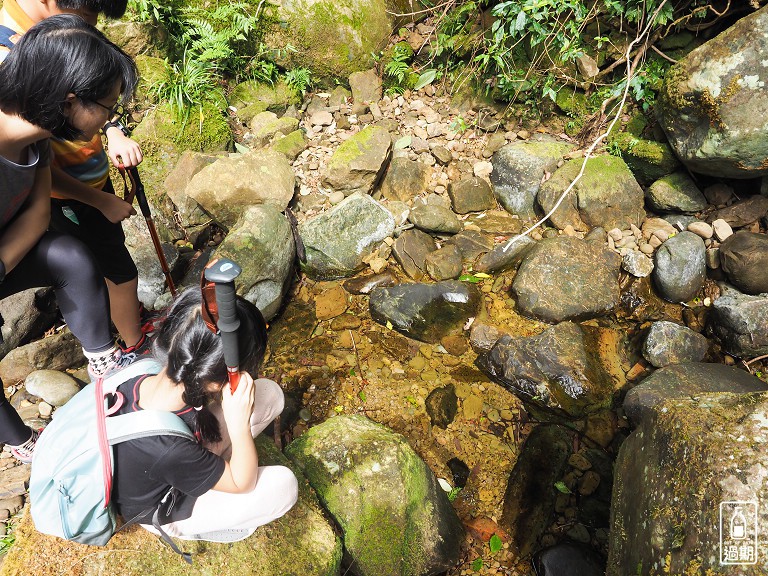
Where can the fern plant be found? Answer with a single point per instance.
(397, 70)
(300, 79)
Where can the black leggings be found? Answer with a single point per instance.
(66, 264)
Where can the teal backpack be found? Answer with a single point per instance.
(71, 483)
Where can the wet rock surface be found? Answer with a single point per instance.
(426, 312)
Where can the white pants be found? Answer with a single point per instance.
(276, 488)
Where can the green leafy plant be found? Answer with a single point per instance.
(454, 493)
(458, 124)
(397, 70)
(495, 544)
(477, 564)
(187, 85)
(300, 79)
(561, 487)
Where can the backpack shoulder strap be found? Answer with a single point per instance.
(143, 423)
(138, 368)
(6, 35)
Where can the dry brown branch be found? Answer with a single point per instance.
(660, 53)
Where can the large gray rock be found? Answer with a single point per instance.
(261, 242)
(359, 162)
(671, 477)
(426, 312)
(542, 462)
(53, 386)
(395, 518)
(229, 185)
(365, 86)
(676, 192)
(740, 322)
(26, 315)
(669, 343)
(175, 185)
(680, 267)
(607, 195)
(336, 241)
(686, 380)
(567, 279)
(709, 103)
(567, 370)
(152, 283)
(302, 539)
(744, 259)
(518, 170)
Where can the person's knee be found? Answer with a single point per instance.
(285, 488)
(68, 255)
(271, 394)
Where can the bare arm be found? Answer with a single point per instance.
(30, 223)
(241, 472)
(114, 208)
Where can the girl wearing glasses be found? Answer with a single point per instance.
(49, 81)
(221, 494)
(84, 203)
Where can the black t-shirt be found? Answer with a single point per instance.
(146, 468)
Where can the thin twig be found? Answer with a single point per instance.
(660, 53)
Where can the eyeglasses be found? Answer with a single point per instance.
(209, 309)
(116, 112)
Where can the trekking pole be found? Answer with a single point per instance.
(222, 273)
(141, 197)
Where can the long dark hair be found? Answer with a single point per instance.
(110, 8)
(194, 356)
(58, 56)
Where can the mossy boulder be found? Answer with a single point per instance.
(395, 518)
(211, 135)
(151, 71)
(607, 195)
(252, 97)
(358, 164)
(712, 104)
(291, 145)
(647, 159)
(302, 540)
(261, 242)
(333, 39)
(136, 38)
(266, 125)
(673, 473)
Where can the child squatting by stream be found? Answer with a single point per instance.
(221, 494)
(61, 79)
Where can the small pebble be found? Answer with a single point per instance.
(336, 197)
(721, 229)
(701, 229)
(615, 234)
(646, 248)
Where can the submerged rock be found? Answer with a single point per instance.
(395, 518)
(426, 312)
(442, 404)
(567, 279)
(673, 473)
(529, 501)
(567, 371)
(568, 558)
(500, 259)
(688, 380)
(336, 241)
(364, 284)
(740, 322)
(669, 343)
(405, 179)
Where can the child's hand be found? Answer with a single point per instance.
(114, 208)
(237, 407)
(119, 145)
